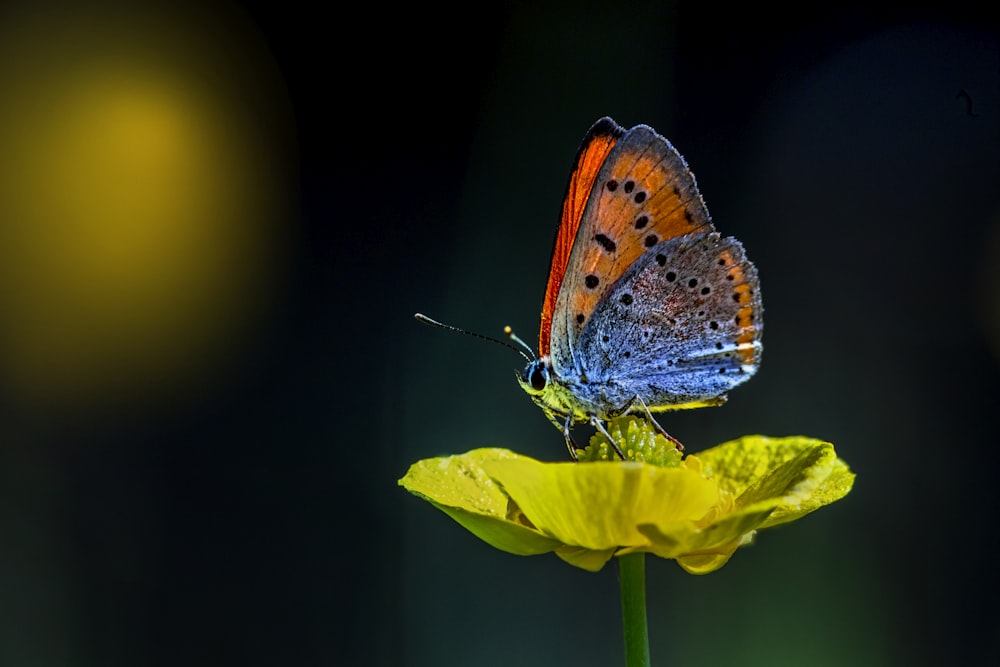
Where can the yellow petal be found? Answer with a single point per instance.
(708, 562)
(717, 537)
(600, 505)
(586, 559)
(458, 486)
(793, 476)
(500, 534)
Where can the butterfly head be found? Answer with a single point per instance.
(543, 386)
(537, 382)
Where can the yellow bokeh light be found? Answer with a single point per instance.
(142, 208)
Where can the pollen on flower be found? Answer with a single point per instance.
(637, 438)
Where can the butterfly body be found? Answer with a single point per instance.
(646, 308)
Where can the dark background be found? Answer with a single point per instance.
(262, 523)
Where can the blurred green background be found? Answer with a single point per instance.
(217, 222)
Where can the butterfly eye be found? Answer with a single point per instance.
(539, 378)
(536, 375)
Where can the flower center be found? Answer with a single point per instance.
(639, 441)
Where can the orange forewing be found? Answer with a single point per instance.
(598, 142)
(654, 197)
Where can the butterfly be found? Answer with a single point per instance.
(647, 308)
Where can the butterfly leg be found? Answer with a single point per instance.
(656, 424)
(596, 423)
(564, 427)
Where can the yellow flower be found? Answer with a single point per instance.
(697, 510)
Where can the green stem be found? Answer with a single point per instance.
(632, 579)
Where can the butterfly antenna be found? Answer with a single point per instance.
(420, 317)
(510, 334)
